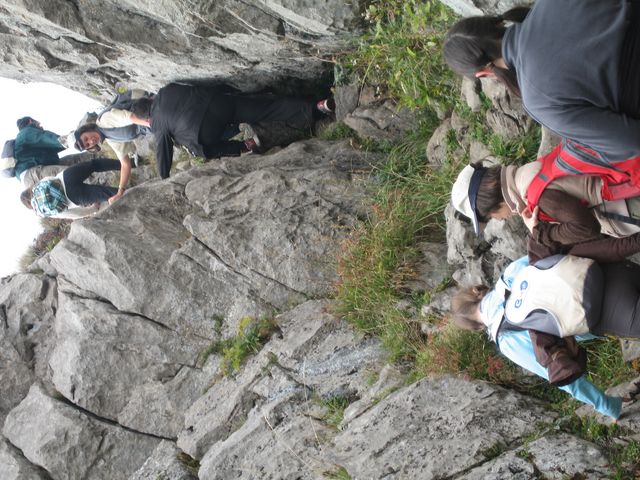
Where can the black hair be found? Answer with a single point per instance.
(141, 108)
(489, 198)
(474, 43)
(87, 127)
(24, 121)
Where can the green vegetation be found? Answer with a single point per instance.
(54, 231)
(335, 407)
(338, 472)
(252, 334)
(400, 57)
(189, 462)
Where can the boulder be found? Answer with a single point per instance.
(435, 428)
(235, 238)
(257, 44)
(125, 367)
(166, 462)
(13, 465)
(315, 356)
(382, 120)
(70, 444)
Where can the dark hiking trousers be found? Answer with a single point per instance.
(227, 110)
(82, 193)
(620, 314)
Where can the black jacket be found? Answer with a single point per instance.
(176, 115)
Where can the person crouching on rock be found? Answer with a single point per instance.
(67, 196)
(572, 209)
(198, 118)
(534, 311)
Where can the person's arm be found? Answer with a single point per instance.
(121, 149)
(517, 347)
(614, 135)
(602, 250)
(575, 221)
(164, 153)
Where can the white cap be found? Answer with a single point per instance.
(464, 193)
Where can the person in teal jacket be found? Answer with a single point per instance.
(35, 146)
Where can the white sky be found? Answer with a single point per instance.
(58, 109)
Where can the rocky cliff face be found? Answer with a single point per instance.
(92, 45)
(107, 365)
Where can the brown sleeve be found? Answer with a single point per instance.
(576, 222)
(602, 250)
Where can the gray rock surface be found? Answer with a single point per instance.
(506, 117)
(241, 237)
(13, 465)
(315, 357)
(468, 8)
(165, 464)
(97, 45)
(437, 147)
(70, 444)
(382, 120)
(454, 429)
(157, 376)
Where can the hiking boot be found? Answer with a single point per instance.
(326, 106)
(253, 144)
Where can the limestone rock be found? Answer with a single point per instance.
(125, 367)
(13, 465)
(389, 380)
(383, 120)
(468, 8)
(508, 466)
(165, 464)
(431, 269)
(470, 93)
(560, 456)
(316, 356)
(506, 118)
(477, 416)
(437, 147)
(15, 378)
(68, 444)
(241, 237)
(257, 43)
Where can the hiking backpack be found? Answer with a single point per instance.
(124, 101)
(620, 180)
(7, 160)
(48, 198)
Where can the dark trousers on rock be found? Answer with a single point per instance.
(620, 315)
(82, 193)
(227, 110)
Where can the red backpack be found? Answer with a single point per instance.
(619, 180)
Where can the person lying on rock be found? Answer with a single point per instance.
(200, 117)
(571, 207)
(35, 152)
(117, 126)
(574, 63)
(67, 196)
(535, 310)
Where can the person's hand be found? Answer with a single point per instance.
(116, 197)
(530, 218)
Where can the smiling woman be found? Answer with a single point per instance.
(58, 109)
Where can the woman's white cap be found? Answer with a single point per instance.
(464, 193)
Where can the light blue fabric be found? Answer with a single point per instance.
(517, 347)
(492, 305)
